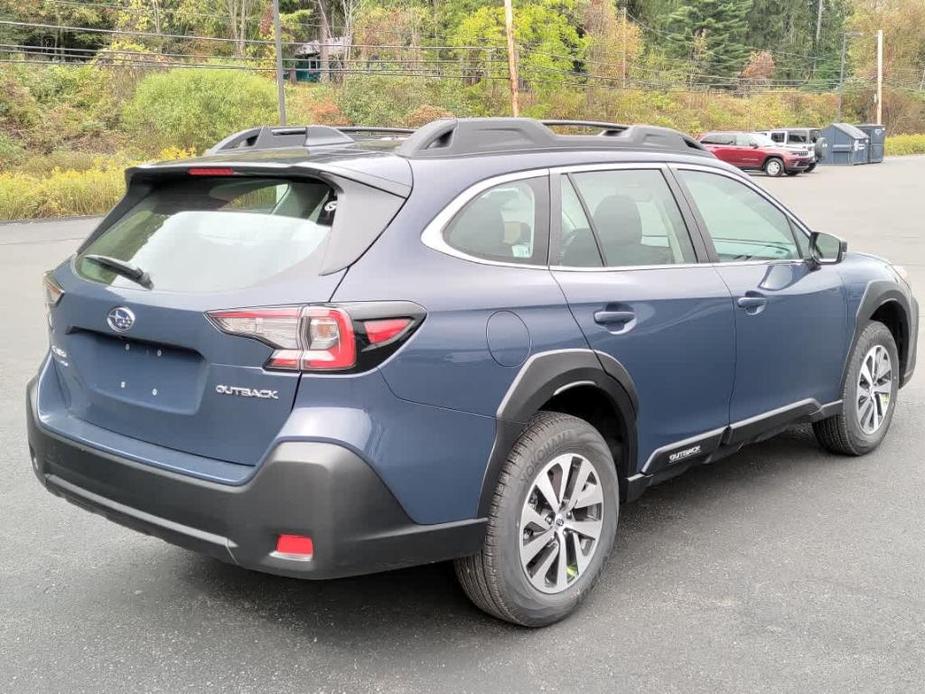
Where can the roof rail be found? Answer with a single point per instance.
(276, 137)
(374, 129)
(606, 128)
(468, 136)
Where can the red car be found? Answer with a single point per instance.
(757, 152)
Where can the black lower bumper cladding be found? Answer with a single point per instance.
(321, 490)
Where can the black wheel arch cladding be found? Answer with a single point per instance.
(543, 377)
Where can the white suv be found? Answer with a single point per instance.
(800, 139)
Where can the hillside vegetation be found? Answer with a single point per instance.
(88, 87)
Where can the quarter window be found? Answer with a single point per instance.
(742, 224)
(507, 223)
(634, 220)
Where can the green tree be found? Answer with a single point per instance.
(547, 36)
(710, 35)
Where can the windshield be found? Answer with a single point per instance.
(215, 234)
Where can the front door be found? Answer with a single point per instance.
(630, 272)
(790, 315)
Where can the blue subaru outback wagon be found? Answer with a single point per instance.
(321, 352)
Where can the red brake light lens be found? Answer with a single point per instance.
(383, 330)
(210, 171)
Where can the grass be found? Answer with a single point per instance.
(905, 144)
(42, 188)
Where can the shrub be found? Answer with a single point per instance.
(424, 114)
(11, 152)
(905, 144)
(60, 193)
(314, 104)
(196, 108)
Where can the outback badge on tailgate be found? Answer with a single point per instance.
(262, 393)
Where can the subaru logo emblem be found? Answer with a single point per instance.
(120, 319)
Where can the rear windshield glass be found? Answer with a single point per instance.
(215, 234)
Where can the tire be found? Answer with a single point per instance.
(810, 167)
(774, 166)
(496, 579)
(845, 433)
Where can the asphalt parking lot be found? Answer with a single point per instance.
(781, 569)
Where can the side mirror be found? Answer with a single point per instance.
(754, 145)
(826, 249)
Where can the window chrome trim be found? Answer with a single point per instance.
(627, 268)
(432, 236)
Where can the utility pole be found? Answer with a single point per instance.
(841, 75)
(511, 57)
(280, 78)
(879, 76)
(624, 46)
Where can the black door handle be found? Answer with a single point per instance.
(610, 317)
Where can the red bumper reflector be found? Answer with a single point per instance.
(295, 546)
(211, 171)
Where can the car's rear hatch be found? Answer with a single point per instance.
(149, 363)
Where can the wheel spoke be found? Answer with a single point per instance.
(883, 365)
(866, 413)
(539, 575)
(581, 560)
(590, 496)
(531, 516)
(588, 528)
(544, 486)
(562, 564)
(884, 388)
(529, 551)
(866, 377)
(580, 480)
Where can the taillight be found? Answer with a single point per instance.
(210, 171)
(321, 338)
(53, 290)
(381, 331)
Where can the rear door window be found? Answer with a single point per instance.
(633, 215)
(216, 234)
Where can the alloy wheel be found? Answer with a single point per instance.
(561, 522)
(874, 390)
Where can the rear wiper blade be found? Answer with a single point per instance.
(120, 267)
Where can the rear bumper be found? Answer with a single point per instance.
(321, 490)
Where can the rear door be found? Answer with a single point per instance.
(629, 268)
(147, 362)
(790, 316)
(750, 156)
